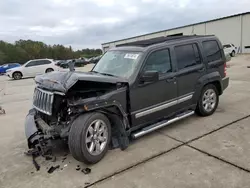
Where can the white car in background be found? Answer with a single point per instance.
(230, 49)
(33, 68)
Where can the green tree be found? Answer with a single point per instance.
(24, 50)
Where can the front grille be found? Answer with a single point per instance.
(43, 101)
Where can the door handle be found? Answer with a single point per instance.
(171, 79)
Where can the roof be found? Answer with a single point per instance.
(234, 15)
(158, 40)
(134, 48)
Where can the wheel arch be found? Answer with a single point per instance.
(118, 120)
(49, 69)
(211, 78)
(16, 72)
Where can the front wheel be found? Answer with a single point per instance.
(17, 75)
(89, 137)
(208, 101)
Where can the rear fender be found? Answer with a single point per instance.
(204, 80)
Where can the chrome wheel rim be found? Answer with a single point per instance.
(96, 137)
(209, 100)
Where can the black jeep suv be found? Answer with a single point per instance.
(134, 89)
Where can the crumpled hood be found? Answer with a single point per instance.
(63, 81)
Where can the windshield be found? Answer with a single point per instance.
(118, 63)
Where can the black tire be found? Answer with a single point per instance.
(77, 137)
(49, 70)
(200, 109)
(17, 75)
(233, 53)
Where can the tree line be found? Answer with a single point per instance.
(23, 50)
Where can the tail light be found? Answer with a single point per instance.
(225, 69)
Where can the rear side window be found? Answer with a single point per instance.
(45, 62)
(187, 56)
(212, 50)
(159, 61)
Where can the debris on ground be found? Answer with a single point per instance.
(34, 153)
(48, 158)
(78, 168)
(37, 166)
(2, 111)
(52, 169)
(248, 66)
(86, 170)
(53, 159)
(63, 159)
(65, 165)
(87, 183)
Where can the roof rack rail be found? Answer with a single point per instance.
(149, 42)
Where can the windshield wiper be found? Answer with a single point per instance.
(107, 74)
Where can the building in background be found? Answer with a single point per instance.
(234, 29)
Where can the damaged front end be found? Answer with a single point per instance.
(36, 138)
(58, 99)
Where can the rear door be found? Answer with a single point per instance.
(152, 101)
(43, 66)
(190, 67)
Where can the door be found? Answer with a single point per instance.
(30, 69)
(190, 68)
(152, 101)
(43, 66)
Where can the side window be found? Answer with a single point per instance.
(187, 56)
(45, 62)
(40, 62)
(159, 61)
(212, 50)
(31, 64)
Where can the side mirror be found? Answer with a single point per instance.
(149, 76)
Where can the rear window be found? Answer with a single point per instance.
(212, 50)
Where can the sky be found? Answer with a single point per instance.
(89, 23)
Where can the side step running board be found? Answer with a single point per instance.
(159, 125)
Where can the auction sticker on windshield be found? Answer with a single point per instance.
(131, 56)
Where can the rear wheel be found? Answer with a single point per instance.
(208, 101)
(233, 53)
(89, 137)
(49, 70)
(17, 75)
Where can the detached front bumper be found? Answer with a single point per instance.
(32, 133)
(36, 139)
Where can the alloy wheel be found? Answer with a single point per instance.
(209, 100)
(96, 137)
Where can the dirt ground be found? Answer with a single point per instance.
(196, 152)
